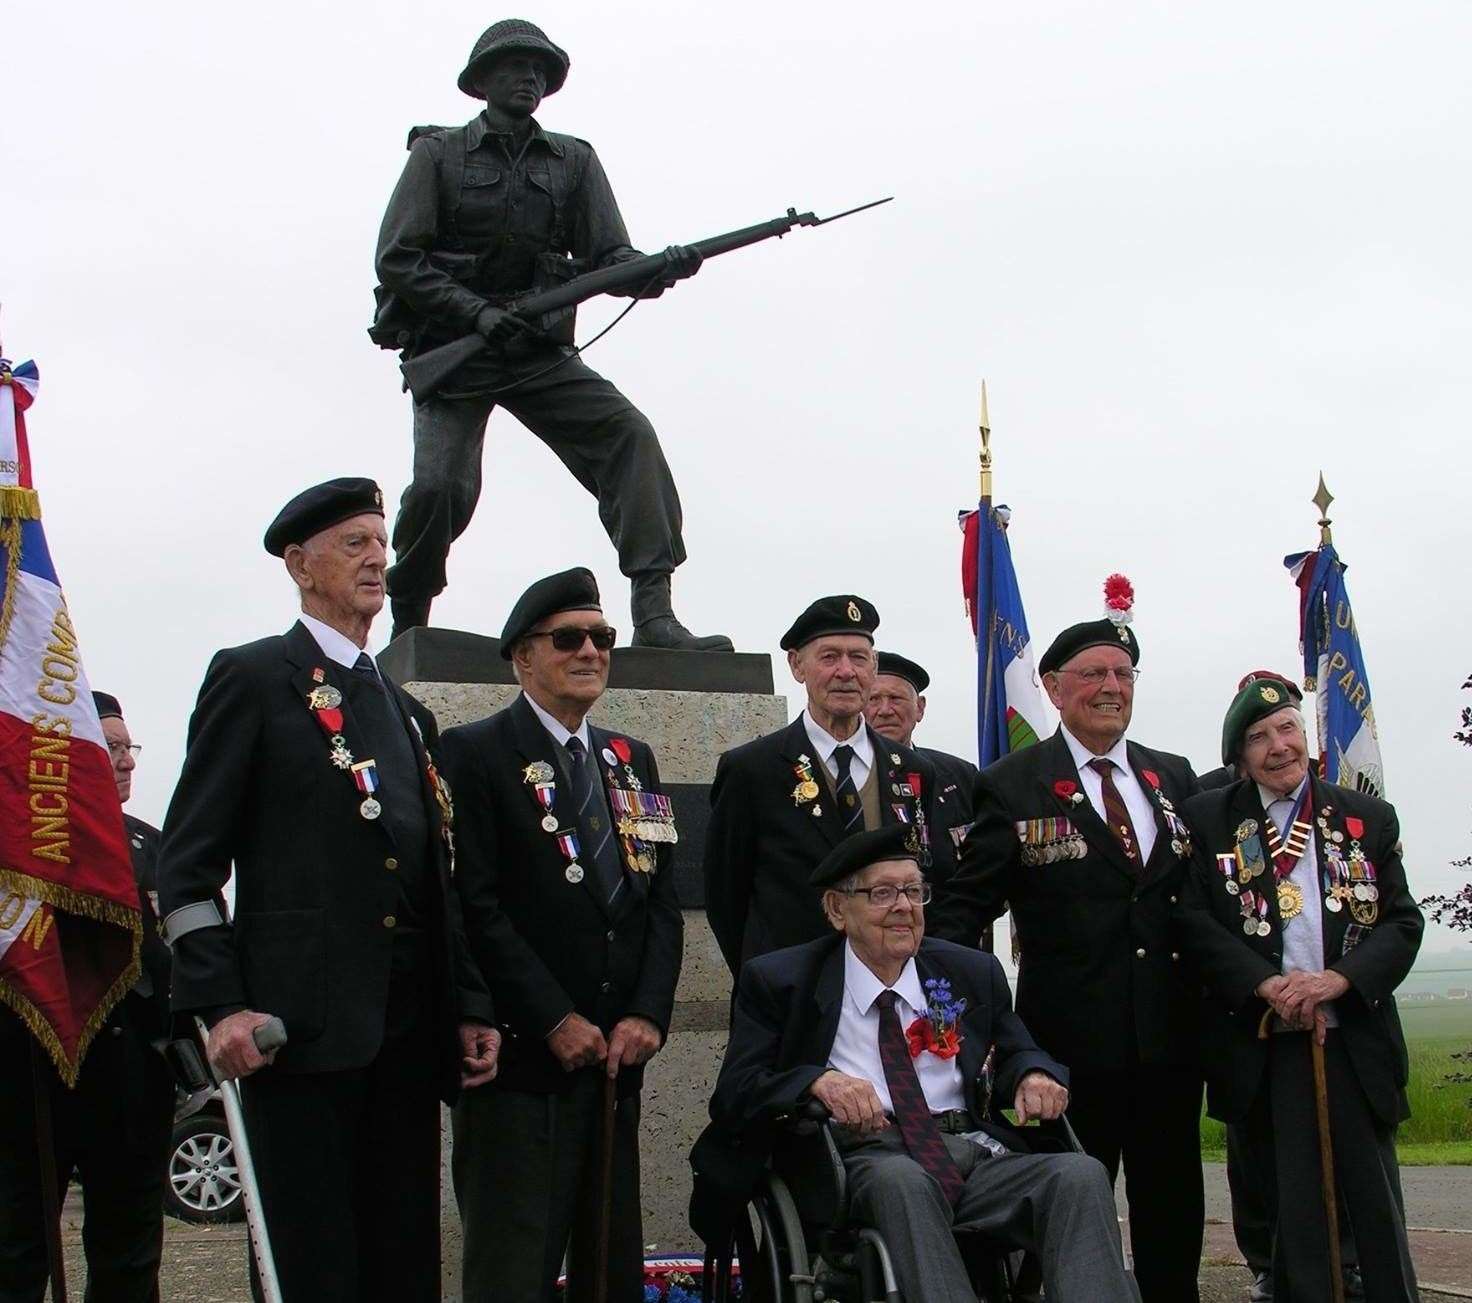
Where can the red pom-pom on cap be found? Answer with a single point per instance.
(1119, 599)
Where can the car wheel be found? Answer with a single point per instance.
(204, 1182)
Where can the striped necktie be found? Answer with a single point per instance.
(594, 830)
(917, 1126)
(850, 808)
(1116, 813)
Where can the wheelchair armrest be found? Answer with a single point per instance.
(806, 1158)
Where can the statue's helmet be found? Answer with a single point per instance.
(508, 35)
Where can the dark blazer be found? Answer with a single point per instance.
(1099, 963)
(313, 932)
(547, 946)
(782, 1030)
(1232, 965)
(955, 790)
(147, 1004)
(762, 845)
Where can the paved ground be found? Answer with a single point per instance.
(207, 1264)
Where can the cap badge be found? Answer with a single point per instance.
(1269, 695)
(378, 497)
(854, 613)
(1124, 635)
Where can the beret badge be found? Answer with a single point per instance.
(854, 613)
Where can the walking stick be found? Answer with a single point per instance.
(1326, 1155)
(610, 1105)
(50, 1191)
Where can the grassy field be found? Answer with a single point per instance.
(1440, 1129)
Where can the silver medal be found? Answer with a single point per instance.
(370, 809)
(1361, 891)
(608, 757)
(573, 873)
(1372, 892)
(1232, 887)
(1264, 928)
(549, 823)
(1249, 926)
(1333, 904)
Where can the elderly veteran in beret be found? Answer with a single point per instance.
(1081, 837)
(311, 772)
(1297, 915)
(780, 803)
(905, 1040)
(565, 850)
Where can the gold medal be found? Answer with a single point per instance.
(1290, 900)
(808, 790)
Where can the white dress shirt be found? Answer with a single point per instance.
(824, 743)
(559, 730)
(1136, 800)
(1303, 936)
(856, 1045)
(336, 645)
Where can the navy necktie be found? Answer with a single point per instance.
(850, 808)
(595, 834)
(364, 668)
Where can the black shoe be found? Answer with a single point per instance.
(1262, 1287)
(1354, 1283)
(667, 632)
(408, 614)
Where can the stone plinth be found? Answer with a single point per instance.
(690, 707)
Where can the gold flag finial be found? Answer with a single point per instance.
(1321, 499)
(985, 426)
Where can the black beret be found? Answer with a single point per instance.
(904, 668)
(895, 842)
(843, 613)
(571, 590)
(321, 507)
(1256, 700)
(107, 705)
(1091, 633)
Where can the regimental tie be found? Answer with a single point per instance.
(917, 1126)
(593, 824)
(364, 668)
(850, 808)
(1116, 813)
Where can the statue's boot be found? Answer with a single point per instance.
(409, 613)
(655, 624)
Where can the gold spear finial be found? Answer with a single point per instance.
(985, 426)
(1321, 500)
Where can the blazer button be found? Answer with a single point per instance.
(1140, 953)
(1172, 900)
(390, 863)
(610, 934)
(606, 987)
(390, 921)
(1175, 956)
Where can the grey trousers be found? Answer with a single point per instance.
(527, 1180)
(1058, 1206)
(597, 433)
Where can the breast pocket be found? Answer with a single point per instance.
(483, 197)
(283, 961)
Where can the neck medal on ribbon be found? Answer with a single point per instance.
(1286, 854)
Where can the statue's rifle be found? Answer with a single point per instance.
(426, 373)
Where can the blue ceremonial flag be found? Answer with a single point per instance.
(1010, 713)
(1334, 670)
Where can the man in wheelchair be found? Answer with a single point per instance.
(903, 1041)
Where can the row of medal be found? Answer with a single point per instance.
(1349, 880)
(1050, 841)
(1240, 866)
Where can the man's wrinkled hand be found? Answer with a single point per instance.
(577, 1043)
(632, 1041)
(1039, 1096)
(1301, 994)
(498, 325)
(231, 1047)
(851, 1101)
(480, 1051)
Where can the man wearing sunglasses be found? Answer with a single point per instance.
(564, 852)
(1081, 838)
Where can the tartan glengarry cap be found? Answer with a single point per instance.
(1091, 633)
(321, 507)
(897, 841)
(108, 706)
(569, 590)
(1257, 699)
(841, 613)
(514, 34)
(902, 667)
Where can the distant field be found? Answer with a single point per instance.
(1440, 1129)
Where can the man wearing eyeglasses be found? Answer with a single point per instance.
(565, 844)
(1081, 837)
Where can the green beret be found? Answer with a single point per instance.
(1257, 700)
(1091, 633)
(570, 590)
(842, 613)
(321, 507)
(903, 668)
(895, 842)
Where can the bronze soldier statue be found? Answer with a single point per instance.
(484, 213)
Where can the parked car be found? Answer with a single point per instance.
(204, 1183)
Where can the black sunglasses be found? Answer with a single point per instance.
(569, 637)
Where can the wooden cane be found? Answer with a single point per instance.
(50, 1191)
(605, 1193)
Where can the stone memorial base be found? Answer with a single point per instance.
(690, 707)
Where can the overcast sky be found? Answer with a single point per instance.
(1198, 252)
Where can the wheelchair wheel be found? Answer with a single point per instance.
(771, 1251)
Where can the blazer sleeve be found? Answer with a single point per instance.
(977, 893)
(752, 1087)
(664, 937)
(523, 987)
(1230, 969)
(1017, 1052)
(730, 853)
(1382, 960)
(203, 828)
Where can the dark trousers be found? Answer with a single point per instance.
(1283, 1143)
(113, 1130)
(597, 433)
(1148, 1119)
(1251, 1225)
(528, 1181)
(348, 1164)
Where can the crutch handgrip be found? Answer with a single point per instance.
(270, 1035)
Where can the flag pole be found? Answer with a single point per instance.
(985, 611)
(50, 1185)
(1321, 499)
(985, 456)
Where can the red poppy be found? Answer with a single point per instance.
(1065, 788)
(913, 781)
(947, 1045)
(1151, 777)
(621, 748)
(919, 1034)
(1356, 826)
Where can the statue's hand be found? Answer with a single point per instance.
(498, 325)
(680, 262)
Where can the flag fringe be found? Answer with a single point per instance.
(10, 541)
(73, 902)
(19, 503)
